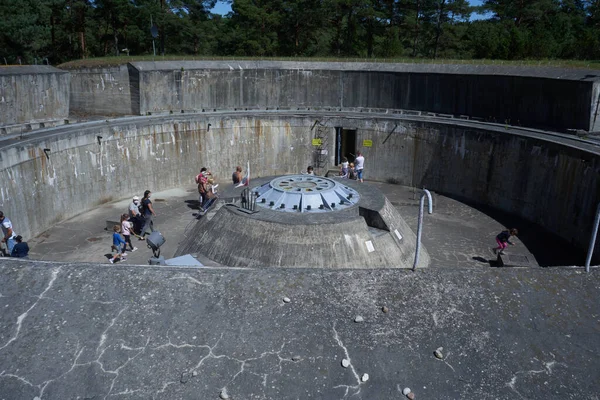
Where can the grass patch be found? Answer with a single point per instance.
(115, 61)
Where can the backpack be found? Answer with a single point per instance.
(202, 181)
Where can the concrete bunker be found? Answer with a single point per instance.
(303, 221)
(264, 112)
(463, 159)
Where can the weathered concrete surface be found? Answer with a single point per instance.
(551, 180)
(550, 98)
(92, 331)
(455, 235)
(100, 91)
(335, 239)
(33, 94)
(82, 171)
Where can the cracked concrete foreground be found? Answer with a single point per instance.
(84, 331)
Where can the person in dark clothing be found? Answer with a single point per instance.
(21, 249)
(503, 240)
(147, 214)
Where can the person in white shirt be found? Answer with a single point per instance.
(359, 164)
(344, 170)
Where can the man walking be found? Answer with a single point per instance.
(359, 164)
(9, 234)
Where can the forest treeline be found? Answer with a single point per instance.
(55, 31)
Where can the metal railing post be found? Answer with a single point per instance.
(593, 240)
(420, 224)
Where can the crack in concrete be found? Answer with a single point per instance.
(347, 354)
(243, 362)
(22, 317)
(194, 280)
(546, 369)
(79, 351)
(103, 335)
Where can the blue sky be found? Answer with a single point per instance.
(223, 8)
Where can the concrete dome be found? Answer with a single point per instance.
(366, 231)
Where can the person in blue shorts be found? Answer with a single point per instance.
(359, 165)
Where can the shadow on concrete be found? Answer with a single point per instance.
(482, 260)
(549, 249)
(193, 204)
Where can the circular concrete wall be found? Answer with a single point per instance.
(54, 174)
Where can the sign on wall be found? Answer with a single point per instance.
(367, 143)
(317, 142)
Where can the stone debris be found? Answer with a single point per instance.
(406, 391)
(195, 373)
(296, 358)
(286, 300)
(345, 363)
(224, 394)
(385, 309)
(411, 396)
(184, 377)
(365, 377)
(358, 319)
(438, 353)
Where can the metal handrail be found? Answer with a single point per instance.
(420, 225)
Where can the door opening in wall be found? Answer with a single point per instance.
(345, 144)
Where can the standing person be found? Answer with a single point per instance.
(359, 165)
(503, 238)
(134, 214)
(202, 181)
(118, 245)
(147, 213)
(21, 249)
(9, 234)
(344, 170)
(126, 228)
(310, 170)
(236, 177)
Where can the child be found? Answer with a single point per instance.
(118, 245)
(310, 170)
(344, 171)
(126, 228)
(351, 172)
(503, 238)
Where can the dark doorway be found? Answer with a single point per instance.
(345, 144)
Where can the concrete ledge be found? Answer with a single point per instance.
(516, 260)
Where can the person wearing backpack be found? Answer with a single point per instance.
(202, 179)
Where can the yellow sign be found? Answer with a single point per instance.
(316, 142)
(367, 143)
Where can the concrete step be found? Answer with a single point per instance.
(331, 172)
(516, 260)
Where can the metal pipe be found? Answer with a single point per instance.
(593, 240)
(420, 225)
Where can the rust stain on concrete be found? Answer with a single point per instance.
(258, 128)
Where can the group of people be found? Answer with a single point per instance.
(353, 170)
(137, 222)
(15, 246)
